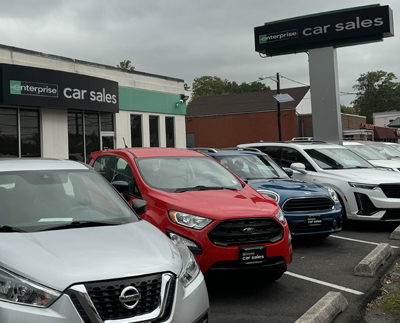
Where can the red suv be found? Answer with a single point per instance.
(197, 202)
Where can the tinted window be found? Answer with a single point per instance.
(75, 136)
(154, 131)
(9, 133)
(136, 130)
(102, 165)
(30, 136)
(92, 134)
(290, 156)
(122, 171)
(334, 158)
(273, 152)
(169, 131)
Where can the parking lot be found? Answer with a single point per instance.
(318, 267)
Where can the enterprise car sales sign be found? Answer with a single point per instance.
(335, 28)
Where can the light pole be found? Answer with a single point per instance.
(278, 91)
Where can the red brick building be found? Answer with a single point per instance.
(228, 120)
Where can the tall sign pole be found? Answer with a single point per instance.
(278, 91)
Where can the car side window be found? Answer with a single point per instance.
(122, 171)
(273, 152)
(290, 156)
(102, 165)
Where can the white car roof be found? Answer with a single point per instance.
(303, 145)
(36, 164)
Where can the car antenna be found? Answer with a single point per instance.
(124, 142)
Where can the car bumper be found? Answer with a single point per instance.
(194, 296)
(331, 222)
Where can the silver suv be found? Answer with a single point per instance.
(72, 250)
(365, 192)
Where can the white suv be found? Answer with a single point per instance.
(366, 193)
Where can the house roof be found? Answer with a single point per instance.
(395, 123)
(252, 102)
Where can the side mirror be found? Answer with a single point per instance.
(139, 206)
(123, 188)
(288, 171)
(300, 167)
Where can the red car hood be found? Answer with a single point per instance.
(219, 204)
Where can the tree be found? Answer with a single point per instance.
(213, 85)
(348, 110)
(126, 65)
(376, 92)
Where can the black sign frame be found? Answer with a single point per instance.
(338, 28)
(38, 87)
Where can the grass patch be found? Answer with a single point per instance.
(392, 304)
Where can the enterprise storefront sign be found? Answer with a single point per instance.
(30, 86)
(336, 28)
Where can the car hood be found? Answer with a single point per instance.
(60, 258)
(365, 175)
(221, 204)
(288, 188)
(392, 163)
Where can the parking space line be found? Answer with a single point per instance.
(356, 240)
(356, 292)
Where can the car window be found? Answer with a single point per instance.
(122, 171)
(334, 158)
(273, 152)
(290, 156)
(367, 152)
(172, 173)
(102, 165)
(42, 199)
(250, 167)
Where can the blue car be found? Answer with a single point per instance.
(309, 208)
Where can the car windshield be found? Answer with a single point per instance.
(179, 174)
(367, 152)
(250, 167)
(44, 200)
(386, 150)
(337, 158)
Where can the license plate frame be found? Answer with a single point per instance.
(314, 220)
(252, 255)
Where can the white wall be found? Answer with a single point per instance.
(54, 133)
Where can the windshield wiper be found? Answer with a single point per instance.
(80, 224)
(203, 188)
(7, 228)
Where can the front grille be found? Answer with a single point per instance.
(231, 232)
(105, 297)
(236, 264)
(391, 190)
(308, 204)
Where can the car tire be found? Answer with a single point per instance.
(344, 213)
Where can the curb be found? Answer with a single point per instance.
(326, 309)
(396, 234)
(370, 264)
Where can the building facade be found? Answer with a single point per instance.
(52, 106)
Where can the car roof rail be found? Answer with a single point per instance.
(306, 142)
(210, 150)
(244, 149)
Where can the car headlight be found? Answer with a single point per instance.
(190, 267)
(18, 290)
(275, 196)
(189, 220)
(280, 217)
(333, 195)
(364, 186)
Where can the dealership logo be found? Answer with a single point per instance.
(33, 88)
(278, 36)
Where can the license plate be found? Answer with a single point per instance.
(252, 255)
(315, 220)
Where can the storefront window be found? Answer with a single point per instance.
(154, 131)
(136, 130)
(169, 131)
(92, 134)
(30, 134)
(75, 136)
(9, 146)
(107, 121)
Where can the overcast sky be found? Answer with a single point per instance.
(187, 38)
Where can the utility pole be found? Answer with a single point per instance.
(279, 106)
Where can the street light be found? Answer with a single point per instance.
(279, 98)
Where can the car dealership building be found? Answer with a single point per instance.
(52, 106)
